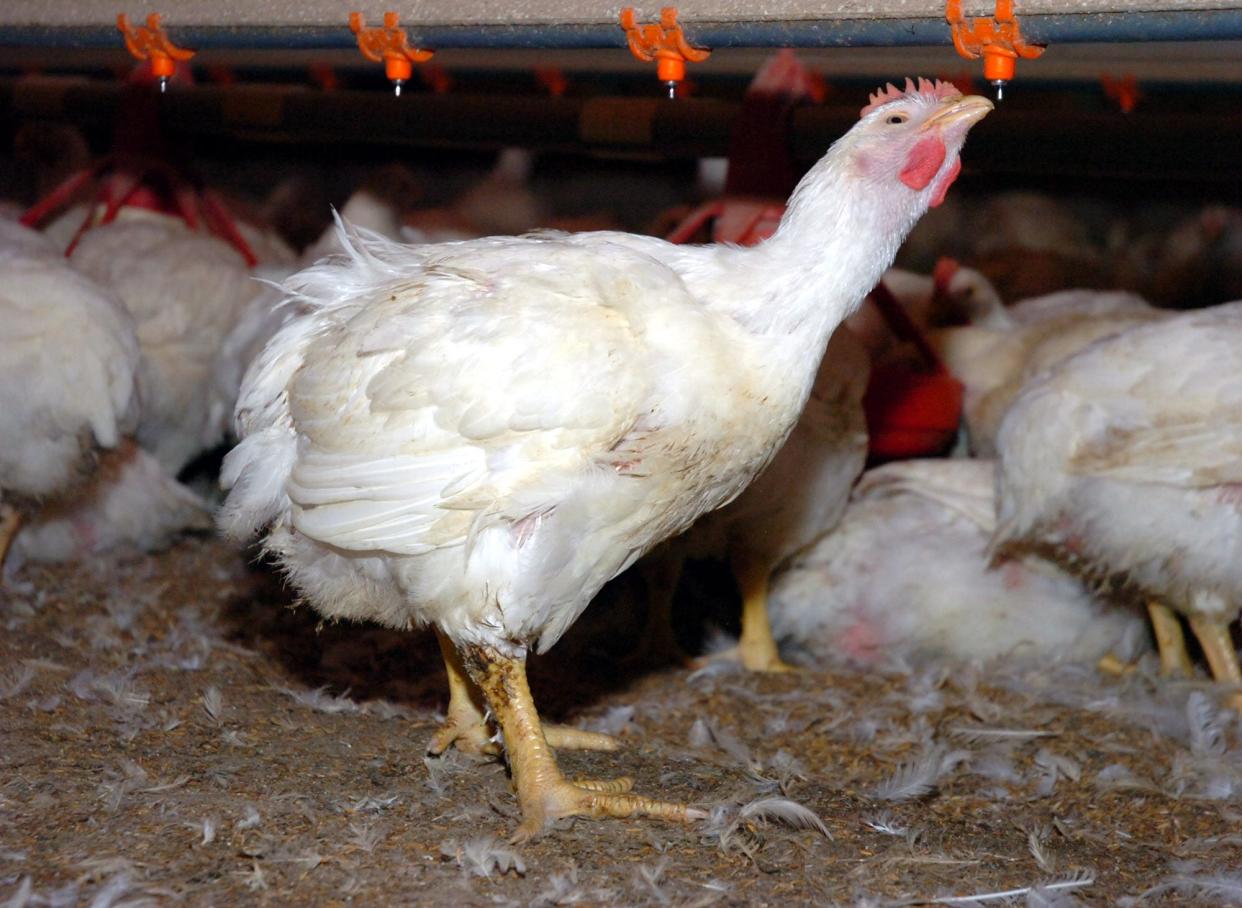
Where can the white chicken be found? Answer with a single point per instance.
(1126, 461)
(905, 576)
(130, 504)
(185, 290)
(995, 361)
(69, 366)
(478, 435)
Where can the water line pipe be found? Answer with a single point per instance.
(1178, 25)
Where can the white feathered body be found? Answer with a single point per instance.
(1126, 459)
(448, 460)
(905, 575)
(995, 363)
(69, 364)
(804, 490)
(185, 291)
(480, 434)
(130, 504)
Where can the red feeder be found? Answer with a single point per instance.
(911, 412)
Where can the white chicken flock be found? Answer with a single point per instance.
(477, 435)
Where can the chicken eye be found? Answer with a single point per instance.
(897, 118)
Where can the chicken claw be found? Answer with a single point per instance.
(466, 728)
(1169, 641)
(543, 793)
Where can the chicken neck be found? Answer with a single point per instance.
(836, 239)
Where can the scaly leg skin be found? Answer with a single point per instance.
(542, 792)
(1169, 641)
(756, 649)
(466, 727)
(10, 523)
(1213, 635)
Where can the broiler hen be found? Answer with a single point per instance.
(1126, 461)
(906, 575)
(478, 435)
(185, 290)
(996, 360)
(68, 376)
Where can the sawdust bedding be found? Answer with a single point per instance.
(175, 733)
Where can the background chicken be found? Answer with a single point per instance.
(905, 577)
(1125, 460)
(69, 366)
(995, 362)
(185, 290)
(479, 435)
(950, 295)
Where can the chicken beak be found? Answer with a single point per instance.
(962, 112)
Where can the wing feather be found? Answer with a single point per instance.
(476, 389)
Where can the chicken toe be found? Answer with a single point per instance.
(1169, 640)
(543, 792)
(1214, 637)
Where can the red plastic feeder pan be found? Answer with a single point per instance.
(911, 412)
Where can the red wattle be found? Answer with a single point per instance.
(924, 161)
(954, 169)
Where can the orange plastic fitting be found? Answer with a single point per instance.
(388, 44)
(150, 42)
(998, 39)
(663, 42)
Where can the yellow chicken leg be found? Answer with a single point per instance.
(1213, 636)
(756, 648)
(10, 523)
(466, 728)
(1169, 641)
(542, 792)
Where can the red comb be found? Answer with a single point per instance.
(932, 89)
(944, 271)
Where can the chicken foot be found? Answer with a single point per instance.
(10, 523)
(1170, 642)
(1214, 637)
(466, 728)
(543, 793)
(756, 648)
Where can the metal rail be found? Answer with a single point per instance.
(1179, 25)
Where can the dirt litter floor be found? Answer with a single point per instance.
(173, 732)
